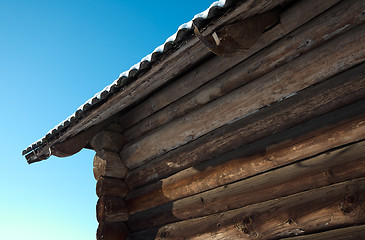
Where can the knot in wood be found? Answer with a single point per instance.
(349, 204)
(245, 224)
(289, 221)
(164, 235)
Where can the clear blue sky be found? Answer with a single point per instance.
(54, 55)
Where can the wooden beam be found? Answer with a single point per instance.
(109, 141)
(111, 209)
(235, 38)
(317, 100)
(108, 164)
(111, 187)
(328, 168)
(348, 233)
(332, 130)
(337, 205)
(115, 127)
(305, 71)
(112, 231)
(78, 142)
(298, 14)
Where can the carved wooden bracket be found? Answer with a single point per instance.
(236, 37)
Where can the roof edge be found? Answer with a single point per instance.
(35, 151)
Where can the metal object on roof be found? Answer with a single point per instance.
(125, 77)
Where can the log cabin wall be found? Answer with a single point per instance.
(266, 144)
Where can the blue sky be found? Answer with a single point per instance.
(54, 55)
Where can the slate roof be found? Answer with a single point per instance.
(124, 78)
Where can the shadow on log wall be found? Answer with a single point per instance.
(242, 164)
(264, 148)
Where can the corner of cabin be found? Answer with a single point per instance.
(252, 129)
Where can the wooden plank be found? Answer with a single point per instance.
(111, 209)
(328, 168)
(349, 233)
(308, 69)
(257, 65)
(319, 209)
(325, 97)
(112, 231)
(111, 187)
(108, 164)
(332, 130)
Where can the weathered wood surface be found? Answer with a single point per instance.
(349, 233)
(293, 45)
(188, 54)
(78, 142)
(234, 38)
(335, 166)
(111, 187)
(319, 209)
(108, 140)
(108, 164)
(332, 130)
(112, 231)
(306, 70)
(334, 93)
(192, 80)
(115, 127)
(111, 209)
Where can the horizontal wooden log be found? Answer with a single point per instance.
(332, 130)
(112, 231)
(331, 167)
(296, 43)
(108, 164)
(115, 127)
(190, 81)
(333, 206)
(109, 141)
(163, 71)
(111, 209)
(306, 70)
(349, 233)
(111, 187)
(325, 97)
